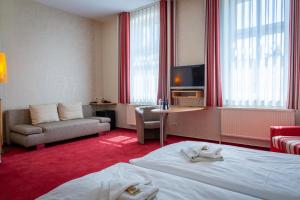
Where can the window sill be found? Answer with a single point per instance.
(256, 108)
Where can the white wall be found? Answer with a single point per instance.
(109, 75)
(110, 43)
(97, 45)
(190, 32)
(49, 55)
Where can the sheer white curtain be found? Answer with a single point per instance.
(144, 55)
(254, 52)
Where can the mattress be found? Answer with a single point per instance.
(261, 174)
(170, 187)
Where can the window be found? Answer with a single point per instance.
(144, 55)
(254, 52)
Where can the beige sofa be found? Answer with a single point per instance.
(19, 129)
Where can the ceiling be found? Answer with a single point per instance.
(95, 9)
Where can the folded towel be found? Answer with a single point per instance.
(146, 192)
(117, 190)
(203, 153)
(204, 159)
(211, 152)
(199, 158)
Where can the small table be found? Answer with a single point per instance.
(164, 113)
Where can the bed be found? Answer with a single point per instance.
(261, 174)
(170, 186)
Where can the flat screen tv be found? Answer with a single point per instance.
(188, 77)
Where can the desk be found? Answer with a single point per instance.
(164, 113)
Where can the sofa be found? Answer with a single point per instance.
(20, 130)
(285, 139)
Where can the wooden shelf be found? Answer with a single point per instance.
(185, 97)
(187, 94)
(194, 98)
(103, 104)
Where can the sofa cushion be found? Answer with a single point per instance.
(43, 113)
(101, 119)
(69, 111)
(26, 129)
(67, 123)
(152, 124)
(27, 140)
(63, 130)
(287, 144)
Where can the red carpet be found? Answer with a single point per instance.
(27, 174)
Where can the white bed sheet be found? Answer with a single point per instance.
(170, 187)
(261, 174)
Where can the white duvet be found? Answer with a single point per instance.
(171, 187)
(260, 174)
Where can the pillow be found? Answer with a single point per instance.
(43, 113)
(69, 111)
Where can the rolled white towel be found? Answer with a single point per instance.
(196, 158)
(197, 149)
(189, 153)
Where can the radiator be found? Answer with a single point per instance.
(253, 123)
(130, 115)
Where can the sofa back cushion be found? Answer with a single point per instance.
(68, 111)
(43, 113)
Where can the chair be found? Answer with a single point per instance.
(285, 139)
(147, 123)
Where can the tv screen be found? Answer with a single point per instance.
(187, 77)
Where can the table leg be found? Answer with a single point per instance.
(162, 118)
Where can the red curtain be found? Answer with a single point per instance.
(214, 87)
(294, 56)
(124, 57)
(163, 55)
(172, 34)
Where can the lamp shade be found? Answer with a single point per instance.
(3, 70)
